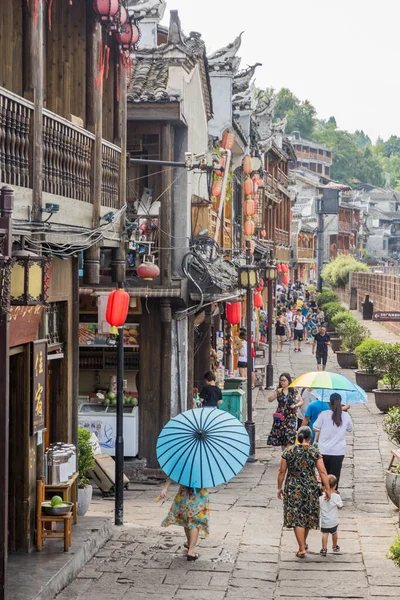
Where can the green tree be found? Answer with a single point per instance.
(362, 139)
(392, 146)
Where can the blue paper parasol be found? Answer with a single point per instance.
(355, 396)
(203, 447)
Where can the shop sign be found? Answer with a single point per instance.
(38, 387)
(24, 324)
(89, 335)
(392, 315)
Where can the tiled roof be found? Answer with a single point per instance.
(148, 81)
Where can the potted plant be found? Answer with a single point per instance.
(86, 462)
(339, 317)
(352, 334)
(390, 364)
(394, 551)
(326, 297)
(330, 310)
(391, 424)
(369, 356)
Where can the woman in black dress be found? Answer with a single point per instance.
(301, 493)
(280, 332)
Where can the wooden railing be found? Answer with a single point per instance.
(110, 185)
(305, 253)
(344, 227)
(283, 178)
(281, 236)
(15, 127)
(67, 158)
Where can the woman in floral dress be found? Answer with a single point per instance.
(190, 509)
(283, 432)
(301, 506)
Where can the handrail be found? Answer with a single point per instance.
(16, 98)
(63, 121)
(110, 145)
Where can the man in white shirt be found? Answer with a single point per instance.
(299, 322)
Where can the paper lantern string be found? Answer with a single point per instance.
(104, 65)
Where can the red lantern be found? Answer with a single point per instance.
(216, 188)
(234, 312)
(263, 233)
(248, 187)
(249, 227)
(261, 286)
(106, 9)
(129, 36)
(222, 166)
(247, 165)
(278, 268)
(258, 301)
(148, 269)
(249, 208)
(228, 141)
(285, 280)
(117, 309)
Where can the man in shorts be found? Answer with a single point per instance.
(298, 323)
(321, 343)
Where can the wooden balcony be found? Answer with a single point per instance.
(344, 227)
(205, 218)
(283, 179)
(68, 154)
(281, 236)
(305, 254)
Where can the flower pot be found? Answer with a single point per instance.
(393, 487)
(368, 381)
(346, 360)
(84, 499)
(336, 342)
(385, 399)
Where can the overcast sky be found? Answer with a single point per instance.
(342, 55)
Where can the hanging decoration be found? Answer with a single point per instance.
(221, 171)
(249, 207)
(248, 187)
(249, 227)
(234, 313)
(247, 165)
(104, 64)
(261, 286)
(228, 141)
(216, 188)
(117, 309)
(35, 9)
(285, 280)
(258, 303)
(128, 36)
(148, 270)
(106, 10)
(263, 233)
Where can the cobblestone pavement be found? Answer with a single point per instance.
(248, 554)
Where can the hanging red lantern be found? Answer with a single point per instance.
(263, 233)
(216, 188)
(261, 286)
(106, 9)
(248, 187)
(222, 166)
(117, 309)
(249, 208)
(285, 280)
(129, 36)
(249, 227)
(258, 300)
(234, 312)
(228, 141)
(247, 165)
(279, 268)
(148, 269)
(300, 236)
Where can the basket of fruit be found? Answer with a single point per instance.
(56, 507)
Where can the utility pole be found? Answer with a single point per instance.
(250, 425)
(320, 246)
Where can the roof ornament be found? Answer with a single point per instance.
(147, 8)
(225, 58)
(241, 80)
(175, 35)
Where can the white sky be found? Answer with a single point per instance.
(342, 55)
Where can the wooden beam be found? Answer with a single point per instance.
(167, 153)
(34, 91)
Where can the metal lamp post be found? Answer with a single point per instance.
(270, 276)
(249, 279)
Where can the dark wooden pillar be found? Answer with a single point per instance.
(6, 208)
(167, 153)
(34, 91)
(190, 351)
(202, 350)
(94, 119)
(75, 348)
(166, 359)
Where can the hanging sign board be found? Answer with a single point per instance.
(38, 385)
(24, 324)
(392, 315)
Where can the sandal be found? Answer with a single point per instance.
(336, 548)
(186, 545)
(323, 552)
(300, 554)
(191, 558)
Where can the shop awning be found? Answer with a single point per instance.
(142, 292)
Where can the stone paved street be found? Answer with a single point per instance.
(248, 555)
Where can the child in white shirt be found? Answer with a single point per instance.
(330, 517)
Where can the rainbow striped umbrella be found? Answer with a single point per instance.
(324, 380)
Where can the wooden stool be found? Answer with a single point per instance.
(64, 490)
(41, 532)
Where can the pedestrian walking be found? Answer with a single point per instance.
(331, 427)
(330, 516)
(308, 397)
(300, 495)
(210, 395)
(283, 432)
(321, 342)
(280, 330)
(298, 323)
(242, 362)
(190, 510)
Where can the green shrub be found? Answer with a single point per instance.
(85, 456)
(394, 551)
(369, 354)
(342, 317)
(352, 334)
(331, 309)
(391, 425)
(326, 297)
(390, 364)
(311, 288)
(337, 272)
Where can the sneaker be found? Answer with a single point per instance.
(295, 350)
(323, 552)
(299, 350)
(336, 548)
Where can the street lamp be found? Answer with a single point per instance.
(270, 276)
(249, 279)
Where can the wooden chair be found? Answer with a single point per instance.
(41, 532)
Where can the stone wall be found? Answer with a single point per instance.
(383, 290)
